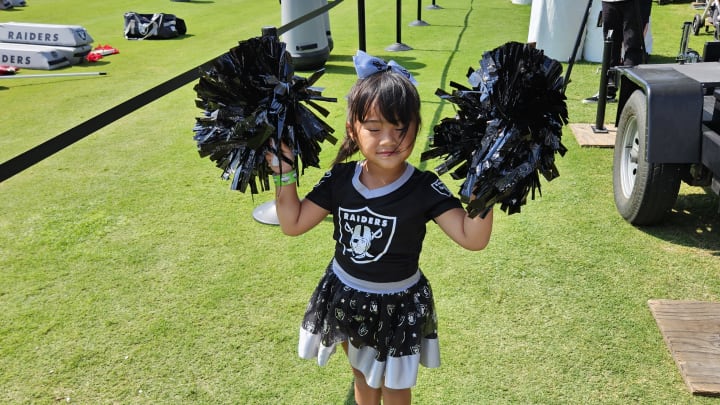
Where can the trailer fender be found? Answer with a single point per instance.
(674, 112)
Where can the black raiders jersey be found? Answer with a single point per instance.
(379, 233)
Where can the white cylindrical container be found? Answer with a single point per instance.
(594, 41)
(308, 42)
(554, 27)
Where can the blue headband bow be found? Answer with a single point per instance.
(366, 65)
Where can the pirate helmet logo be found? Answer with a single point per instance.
(82, 34)
(441, 188)
(412, 318)
(364, 234)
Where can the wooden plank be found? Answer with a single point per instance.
(586, 137)
(691, 330)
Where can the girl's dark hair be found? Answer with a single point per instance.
(395, 97)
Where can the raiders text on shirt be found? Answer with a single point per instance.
(364, 219)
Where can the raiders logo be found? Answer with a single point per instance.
(326, 176)
(441, 188)
(364, 234)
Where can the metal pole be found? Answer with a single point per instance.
(361, 25)
(53, 75)
(683, 54)
(599, 126)
(433, 6)
(398, 46)
(398, 19)
(419, 22)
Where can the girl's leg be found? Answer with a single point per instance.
(365, 394)
(396, 397)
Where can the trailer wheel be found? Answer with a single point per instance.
(697, 23)
(644, 192)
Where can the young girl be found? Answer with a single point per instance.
(373, 298)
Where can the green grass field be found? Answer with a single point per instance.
(131, 273)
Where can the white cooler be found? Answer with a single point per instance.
(594, 41)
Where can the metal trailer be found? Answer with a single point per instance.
(668, 132)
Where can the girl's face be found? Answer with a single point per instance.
(381, 142)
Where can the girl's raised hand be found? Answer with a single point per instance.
(295, 216)
(278, 164)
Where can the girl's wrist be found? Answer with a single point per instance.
(285, 179)
(276, 170)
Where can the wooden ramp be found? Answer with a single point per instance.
(586, 137)
(691, 330)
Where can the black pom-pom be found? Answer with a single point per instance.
(507, 128)
(252, 102)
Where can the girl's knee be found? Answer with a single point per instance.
(396, 397)
(395, 391)
(358, 375)
(365, 394)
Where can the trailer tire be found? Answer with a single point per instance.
(644, 192)
(697, 23)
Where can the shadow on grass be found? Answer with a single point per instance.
(350, 398)
(329, 69)
(334, 57)
(408, 63)
(654, 59)
(444, 77)
(659, 59)
(694, 222)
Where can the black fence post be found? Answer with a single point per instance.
(361, 25)
(398, 45)
(433, 6)
(419, 22)
(599, 126)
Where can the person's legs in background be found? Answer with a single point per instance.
(645, 10)
(624, 22)
(632, 36)
(612, 21)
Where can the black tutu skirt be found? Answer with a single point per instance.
(391, 328)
